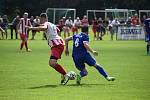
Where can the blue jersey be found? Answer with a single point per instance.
(78, 46)
(80, 54)
(147, 25)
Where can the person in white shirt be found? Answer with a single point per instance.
(67, 27)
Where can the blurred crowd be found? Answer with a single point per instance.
(66, 26)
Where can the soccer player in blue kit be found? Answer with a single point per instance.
(81, 55)
(147, 34)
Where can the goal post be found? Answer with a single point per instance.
(91, 14)
(117, 13)
(143, 12)
(55, 14)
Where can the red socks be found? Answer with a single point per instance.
(60, 69)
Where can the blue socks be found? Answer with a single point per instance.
(83, 73)
(101, 71)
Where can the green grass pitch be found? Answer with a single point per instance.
(27, 76)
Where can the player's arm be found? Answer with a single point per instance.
(66, 43)
(88, 48)
(39, 28)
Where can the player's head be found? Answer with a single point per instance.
(84, 29)
(43, 18)
(25, 15)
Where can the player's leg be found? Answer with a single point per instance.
(103, 73)
(22, 41)
(53, 63)
(79, 63)
(148, 44)
(91, 62)
(56, 53)
(148, 48)
(26, 44)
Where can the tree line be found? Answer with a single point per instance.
(35, 7)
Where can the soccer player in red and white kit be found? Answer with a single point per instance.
(55, 42)
(23, 31)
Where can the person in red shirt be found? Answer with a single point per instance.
(94, 26)
(85, 22)
(60, 25)
(135, 20)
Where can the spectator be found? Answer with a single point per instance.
(100, 29)
(5, 24)
(76, 25)
(36, 22)
(94, 27)
(129, 22)
(85, 22)
(135, 20)
(1, 29)
(15, 22)
(60, 25)
(113, 27)
(68, 26)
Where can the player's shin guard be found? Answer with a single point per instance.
(101, 70)
(60, 69)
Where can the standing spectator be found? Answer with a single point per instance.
(143, 20)
(94, 26)
(100, 29)
(68, 26)
(135, 20)
(129, 22)
(23, 31)
(76, 25)
(5, 24)
(106, 23)
(60, 25)
(36, 22)
(15, 22)
(1, 28)
(113, 27)
(85, 22)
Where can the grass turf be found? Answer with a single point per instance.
(27, 76)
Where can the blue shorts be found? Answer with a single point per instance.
(147, 38)
(80, 61)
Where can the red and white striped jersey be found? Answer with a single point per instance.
(22, 25)
(52, 36)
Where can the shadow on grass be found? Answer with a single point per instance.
(44, 86)
(89, 85)
(70, 85)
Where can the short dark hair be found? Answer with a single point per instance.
(43, 15)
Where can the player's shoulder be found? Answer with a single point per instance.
(84, 35)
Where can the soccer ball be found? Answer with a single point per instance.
(72, 75)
